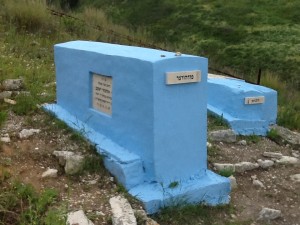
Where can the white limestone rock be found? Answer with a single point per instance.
(269, 214)
(265, 163)
(245, 166)
(122, 213)
(50, 173)
(62, 156)
(12, 84)
(222, 135)
(5, 138)
(224, 166)
(5, 94)
(287, 136)
(209, 145)
(274, 155)
(73, 164)
(295, 178)
(9, 101)
(288, 160)
(258, 184)
(233, 182)
(26, 133)
(78, 218)
(143, 218)
(242, 142)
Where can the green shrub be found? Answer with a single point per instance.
(26, 104)
(227, 172)
(273, 134)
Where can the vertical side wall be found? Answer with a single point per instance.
(180, 121)
(131, 122)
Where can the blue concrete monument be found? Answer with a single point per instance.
(249, 109)
(146, 112)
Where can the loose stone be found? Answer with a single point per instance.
(78, 218)
(295, 177)
(233, 182)
(12, 84)
(288, 160)
(224, 166)
(10, 101)
(26, 133)
(242, 142)
(49, 173)
(5, 138)
(62, 156)
(245, 166)
(275, 155)
(122, 211)
(5, 94)
(258, 183)
(222, 135)
(73, 164)
(265, 163)
(269, 214)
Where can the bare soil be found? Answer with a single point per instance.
(26, 160)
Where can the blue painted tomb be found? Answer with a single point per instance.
(249, 109)
(146, 112)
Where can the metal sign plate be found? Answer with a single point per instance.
(102, 93)
(254, 100)
(183, 77)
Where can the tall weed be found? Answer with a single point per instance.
(288, 101)
(28, 15)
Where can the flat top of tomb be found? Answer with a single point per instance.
(145, 54)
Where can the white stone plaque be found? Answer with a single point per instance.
(102, 93)
(254, 100)
(183, 77)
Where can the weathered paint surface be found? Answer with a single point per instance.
(248, 108)
(151, 133)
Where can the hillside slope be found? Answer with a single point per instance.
(240, 35)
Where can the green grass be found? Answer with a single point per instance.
(250, 138)
(216, 122)
(21, 204)
(3, 116)
(195, 214)
(242, 36)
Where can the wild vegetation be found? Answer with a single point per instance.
(28, 32)
(239, 37)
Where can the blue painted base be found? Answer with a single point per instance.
(210, 189)
(127, 167)
(226, 98)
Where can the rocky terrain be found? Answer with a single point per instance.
(40, 150)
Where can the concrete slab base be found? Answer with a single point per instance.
(127, 167)
(210, 189)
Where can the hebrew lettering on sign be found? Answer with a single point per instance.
(254, 100)
(183, 77)
(102, 93)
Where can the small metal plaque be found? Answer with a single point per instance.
(183, 77)
(102, 93)
(254, 100)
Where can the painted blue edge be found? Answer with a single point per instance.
(226, 99)
(124, 165)
(210, 188)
